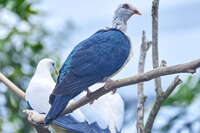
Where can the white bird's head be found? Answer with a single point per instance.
(122, 15)
(46, 65)
(125, 11)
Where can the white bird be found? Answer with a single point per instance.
(106, 113)
(41, 86)
(37, 97)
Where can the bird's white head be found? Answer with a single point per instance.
(122, 15)
(46, 65)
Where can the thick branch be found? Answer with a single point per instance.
(155, 55)
(159, 100)
(141, 98)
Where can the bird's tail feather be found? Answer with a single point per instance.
(58, 106)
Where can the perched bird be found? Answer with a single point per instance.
(93, 60)
(107, 112)
(37, 96)
(41, 86)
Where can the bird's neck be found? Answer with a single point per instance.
(119, 23)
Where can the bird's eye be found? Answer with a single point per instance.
(53, 64)
(126, 6)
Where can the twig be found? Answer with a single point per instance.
(159, 100)
(155, 55)
(141, 98)
(12, 86)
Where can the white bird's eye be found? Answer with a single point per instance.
(53, 64)
(126, 6)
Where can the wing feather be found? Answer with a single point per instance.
(92, 60)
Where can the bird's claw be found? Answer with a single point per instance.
(91, 102)
(108, 82)
(114, 91)
(88, 92)
(88, 95)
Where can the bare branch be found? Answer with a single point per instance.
(141, 98)
(12, 86)
(155, 55)
(159, 100)
(181, 68)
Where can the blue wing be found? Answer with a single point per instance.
(92, 60)
(71, 124)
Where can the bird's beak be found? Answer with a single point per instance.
(56, 71)
(137, 12)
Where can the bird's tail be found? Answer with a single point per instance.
(57, 107)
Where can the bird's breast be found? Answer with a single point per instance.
(127, 60)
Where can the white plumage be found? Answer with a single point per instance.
(107, 111)
(41, 86)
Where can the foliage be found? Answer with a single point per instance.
(22, 45)
(21, 8)
(185, 95)
(184, 100)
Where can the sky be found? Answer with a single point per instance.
(179, 31)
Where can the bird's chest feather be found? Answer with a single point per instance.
(113, 55)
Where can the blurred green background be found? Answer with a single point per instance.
(24, 40)
(22, 45)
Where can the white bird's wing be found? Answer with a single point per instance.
(107, 111)
(116, 106)
(38, 92)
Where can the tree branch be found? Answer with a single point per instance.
(159, 100)
(189, 67)
(141, 98)
(155, 55)
(12, 86)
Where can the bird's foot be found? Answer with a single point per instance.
(108, 82)
(114, 91)
(107, 85)
(88, 95)
(34, 117)
(91, 102)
